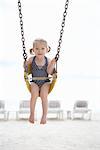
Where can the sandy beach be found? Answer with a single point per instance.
(55, 135)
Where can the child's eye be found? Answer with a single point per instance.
(36, 48)
(43, 48)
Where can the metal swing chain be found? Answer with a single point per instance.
(22, 31)
(62, 30)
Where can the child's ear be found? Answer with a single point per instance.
(31, 51)
(48, 49)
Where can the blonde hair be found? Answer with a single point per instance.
(40, 41)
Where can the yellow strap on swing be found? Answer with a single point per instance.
(53, 82)
(28, 85)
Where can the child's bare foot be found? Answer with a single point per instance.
(43, 120)
(31, 119)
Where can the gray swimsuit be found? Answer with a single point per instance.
(39, 72)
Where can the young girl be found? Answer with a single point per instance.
(41, 67)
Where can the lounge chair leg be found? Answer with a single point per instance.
(17, 115)
(4, 116)
(7, 115)
(90, 114)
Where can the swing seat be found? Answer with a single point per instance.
(53, 82)
(28, 85)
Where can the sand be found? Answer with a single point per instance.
(55, 135)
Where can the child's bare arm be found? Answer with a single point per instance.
(51, 66)
(28, 62)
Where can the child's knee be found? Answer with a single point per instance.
(34, 96)
(43, 95)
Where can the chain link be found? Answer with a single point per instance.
(22, 31)
(62, 30)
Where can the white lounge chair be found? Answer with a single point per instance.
(54, 107)
(24, 109)
(2, 110)
(81, 107)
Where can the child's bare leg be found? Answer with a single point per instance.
(34, 96)
(44, 95)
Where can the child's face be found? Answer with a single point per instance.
(40, 49)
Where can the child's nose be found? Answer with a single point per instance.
(40, 50)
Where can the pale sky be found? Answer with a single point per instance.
(79, 63)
